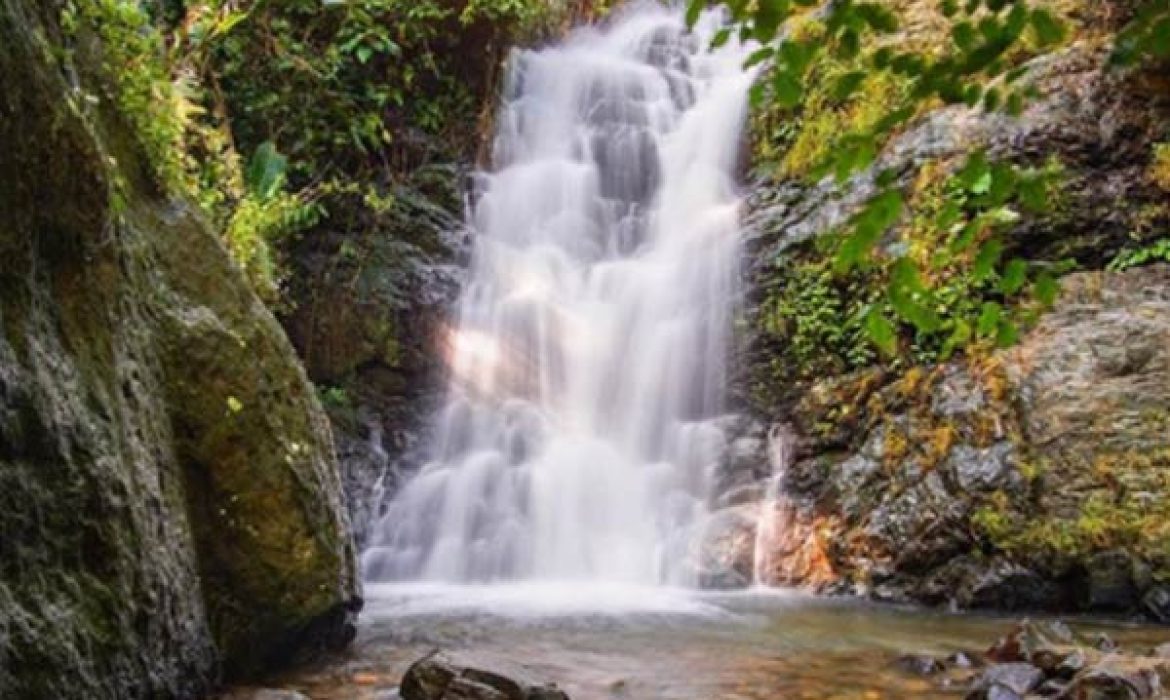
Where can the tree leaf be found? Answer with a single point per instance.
(881, 331)
(787, 88)
(1015, 274)
(1045, 289)
(266, 171)
(985, 260)
(988, 321)
(1007, 333)
(1048, 28)
(847, 84)
(694, 9)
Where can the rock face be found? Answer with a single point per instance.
(1026, 478)
(369, 320)
(169, 501)
(442, 676)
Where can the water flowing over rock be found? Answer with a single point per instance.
(588, 357)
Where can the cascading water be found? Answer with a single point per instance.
(588, 362)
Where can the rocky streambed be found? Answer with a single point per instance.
(638, 644)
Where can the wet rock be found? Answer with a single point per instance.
(1111, 585)
(919, 664)
(1156, 603)
(1073, 663)
(1029, 643)
(743, 465)
(368, 314)
(726, 548)
(1050, 688)
(1113, 678)
(1018, 678)
(444, 676)
(964, 660)
(1104, 642)
(742, 495)
(1067, 417)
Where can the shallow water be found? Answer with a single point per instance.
(632, 643)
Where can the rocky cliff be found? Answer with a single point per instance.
(1032, 477)
(169, 503)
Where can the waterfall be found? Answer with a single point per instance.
(588, 360)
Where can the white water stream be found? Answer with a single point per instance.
(589, 355)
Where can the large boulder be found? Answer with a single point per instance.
(169, 501)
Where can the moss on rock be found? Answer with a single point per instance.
(152, 532)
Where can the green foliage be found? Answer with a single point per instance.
(340, 86)
(335, 397)
(334, 99)
(327, 98)
(134, 57)
(842, 99)
(1158, 251)
(947, 283)
(815, 74)
(1146, 36)
(940, 286)
(819, 317)
(954, 287)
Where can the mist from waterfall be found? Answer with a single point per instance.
(588, 359)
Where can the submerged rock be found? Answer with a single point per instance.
(445, 676)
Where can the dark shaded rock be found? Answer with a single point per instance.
(169, 499)
(443, 676)
(1050, 688)
(1156, 603)
(1073, 663)
(1111, 585)
(370, 306)
(1009, 586)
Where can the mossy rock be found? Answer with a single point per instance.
(168, 494)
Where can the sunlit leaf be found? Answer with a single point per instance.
(881, 331)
